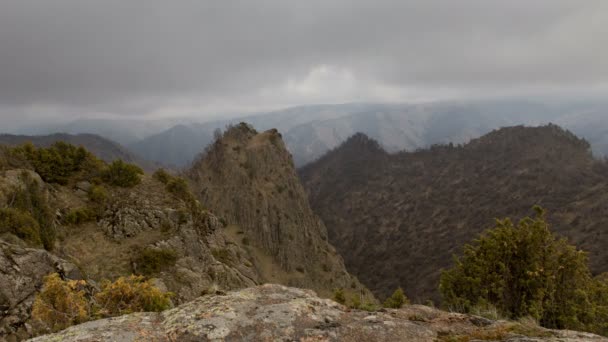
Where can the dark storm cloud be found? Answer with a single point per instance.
(125, 56)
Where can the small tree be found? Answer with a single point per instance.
(122, 174)
(524, 270)
(396, 300)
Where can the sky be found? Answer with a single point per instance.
(65, 59)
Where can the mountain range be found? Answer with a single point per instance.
(311, 131)
(397, 219)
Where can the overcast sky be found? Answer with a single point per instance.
(156, 58)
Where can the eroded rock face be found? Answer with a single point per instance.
(249, 179)
(22, 271)
(279, 313)
(204, 258)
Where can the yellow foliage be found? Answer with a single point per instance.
(130, 294)
(61, 303)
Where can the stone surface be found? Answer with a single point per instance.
(279, 313)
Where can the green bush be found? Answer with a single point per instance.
(339, 296)
(162, 176)
(20, 224)
(396, 300)
(80, 215)
(122, 174)
(151, 260)
(59, 162)
(32, 200)
(179, 187)
(524, 270)
(98, 194)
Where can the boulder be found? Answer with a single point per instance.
(278, 313)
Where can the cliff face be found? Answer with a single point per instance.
(249, 179)
(278, 313)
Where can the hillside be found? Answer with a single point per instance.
(98, 232)
(249, 179)
(397, 219)
(103, 148)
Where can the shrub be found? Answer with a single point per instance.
(80, 216)
(524, 270)
(179, 187)
(130, 294)
(31, 200)
(21, 224)
(162, 176)
(98, 194)
(396, 300)
(122, 174)
(151, 260)
(61, 303)
(60, 161)
(339, 296)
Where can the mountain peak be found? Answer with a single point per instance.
(249, 178)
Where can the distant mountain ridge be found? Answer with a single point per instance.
(398, 218)
(311, 131)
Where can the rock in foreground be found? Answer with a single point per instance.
(279, 313)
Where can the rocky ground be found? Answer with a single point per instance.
(279, 313)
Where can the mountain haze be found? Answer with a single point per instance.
(311, 131)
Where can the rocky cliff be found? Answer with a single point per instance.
(278, 313)
(249, 178)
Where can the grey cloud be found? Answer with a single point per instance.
(130, 56)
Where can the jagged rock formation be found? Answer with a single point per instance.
(398, 219)
(278, 313)
(249, 179)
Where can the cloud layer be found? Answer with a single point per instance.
(182, 57)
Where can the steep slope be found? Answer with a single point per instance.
(249, 179)
(278, 313)
(103, 148)
(397, 219)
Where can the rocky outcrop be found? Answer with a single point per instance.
(278, 313)
(147, 217)
(22, 271)
(249, 178)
